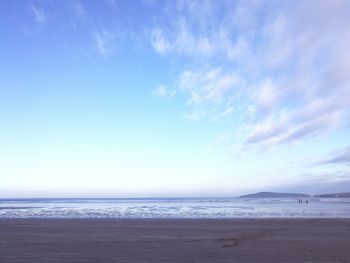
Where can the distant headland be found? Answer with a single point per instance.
(336, 195)
(293, 195)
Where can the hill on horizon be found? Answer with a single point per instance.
(334, 195)
(273, 194)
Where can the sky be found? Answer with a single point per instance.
(189, 98)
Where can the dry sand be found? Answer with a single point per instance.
(236, 240)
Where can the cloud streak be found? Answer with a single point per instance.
(339, 157)
(103, 41)
(78, 8)
(163, 92)
(40, 15)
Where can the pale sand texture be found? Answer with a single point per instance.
(236, 240)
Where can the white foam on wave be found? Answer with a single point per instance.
(186, 208)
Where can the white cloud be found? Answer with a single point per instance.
(267, 94)
(338, 157)
(206, 28)
(211, 85)
(78, 8)
(104, 42)
(271, 131)
(283, 66)
(193, 116)
(163, 92)
(182, 42)
(40, 15)
(159, 42)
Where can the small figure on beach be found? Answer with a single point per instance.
(307, 201)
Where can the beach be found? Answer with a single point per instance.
(174, 240)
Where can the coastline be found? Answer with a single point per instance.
(175, 240)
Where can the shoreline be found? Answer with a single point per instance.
(175, 240)
(172, 218)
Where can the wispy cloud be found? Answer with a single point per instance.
(289, 128)
(163, 92)
(341, 156)
(283, 66)
(78, 8)
(39, 15)
(206, 28)
(159, 42)
(104, 42)
(212, 85)
(183, 42)
(338, 181)
(331, 177)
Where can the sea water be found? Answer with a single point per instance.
(175, 208)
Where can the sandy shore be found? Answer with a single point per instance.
(241, 240)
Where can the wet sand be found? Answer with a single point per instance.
(229, 240)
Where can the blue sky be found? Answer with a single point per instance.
(173, 98)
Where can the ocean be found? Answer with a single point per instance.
(174, 208)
